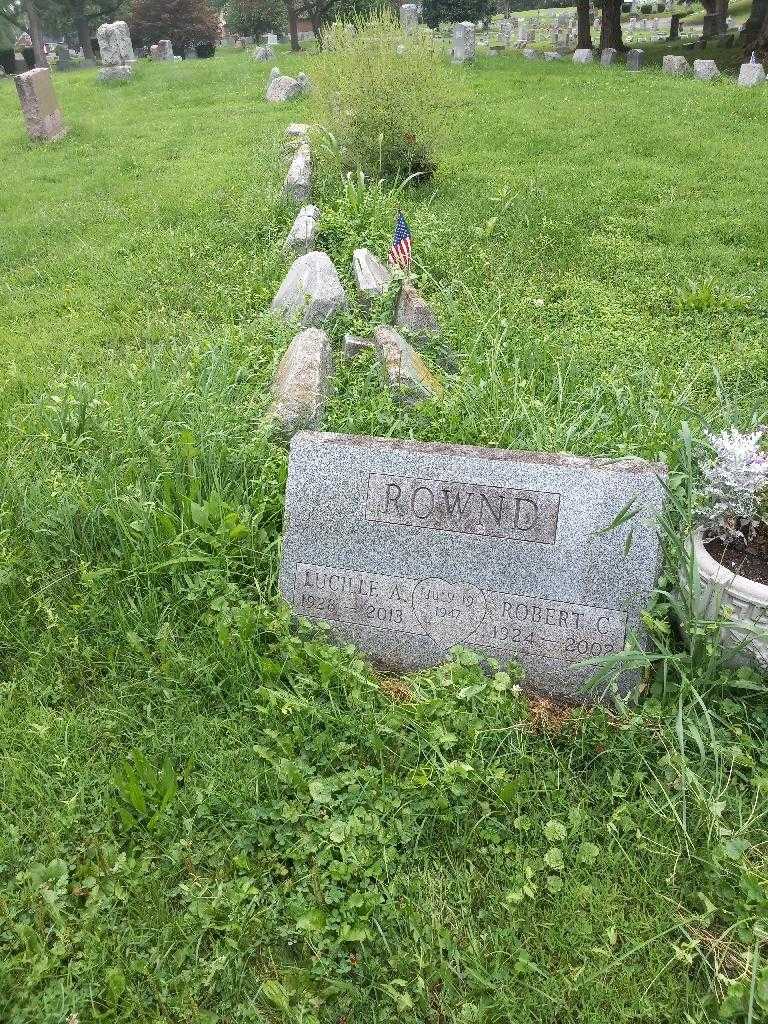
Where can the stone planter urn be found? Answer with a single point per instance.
(747, 600)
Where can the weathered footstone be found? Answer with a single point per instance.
(583, 56)
(408, 549)
(264, 53)
(311, 291)
(355, 346)
(298, 180)
(408, 376)
(39, 105)
(301, 237)
(295, 135)
(635, 60)
(121, 73)
(281, 88)
(551, 55)
(705, 70)
(371, 276)
(751, 74)
(675, 65)
(301, 383)
(414, 315)
(529, 53)
(608, 56)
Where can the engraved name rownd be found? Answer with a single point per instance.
(463, 507)
(459, 613)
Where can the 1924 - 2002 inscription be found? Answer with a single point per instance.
(458, 613)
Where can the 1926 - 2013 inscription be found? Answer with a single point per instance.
(463, 507)
(459, 613)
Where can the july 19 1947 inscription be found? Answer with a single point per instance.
(410, 549)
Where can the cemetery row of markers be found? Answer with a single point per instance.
(407, 549)
(464, 51)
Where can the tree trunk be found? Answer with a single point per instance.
(752, 26)
(721, 12)
(760, 46)
(709, 24)
(36, 31)
(610, 26)
(84, 36)
(293, 25)
(584, 41)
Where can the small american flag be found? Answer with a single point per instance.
(400, 253)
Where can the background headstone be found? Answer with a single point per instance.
(115, 44)
(635, 60)
(409, 18)
(64, 62)
(463, 42)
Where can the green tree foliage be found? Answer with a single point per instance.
(451, 11)
(255, 17)
(184, 22)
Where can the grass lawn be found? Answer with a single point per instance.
(210, 818)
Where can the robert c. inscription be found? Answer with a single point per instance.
(463, 507)
(408, 549)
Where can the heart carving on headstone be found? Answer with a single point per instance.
(449, 613)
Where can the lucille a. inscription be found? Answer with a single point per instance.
(463, 508)
(458, 613)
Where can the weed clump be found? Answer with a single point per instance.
(383, 96)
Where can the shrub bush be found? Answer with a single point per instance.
(8, 61)
(184, 22)
(385, 109)
(29, 56)
(204, 50)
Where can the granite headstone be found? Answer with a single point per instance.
(39, 105)
(463, 42)
(409, 549)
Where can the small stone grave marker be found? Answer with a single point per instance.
(408, 549)
(463, 42)
(39, 105)
(635, 60)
